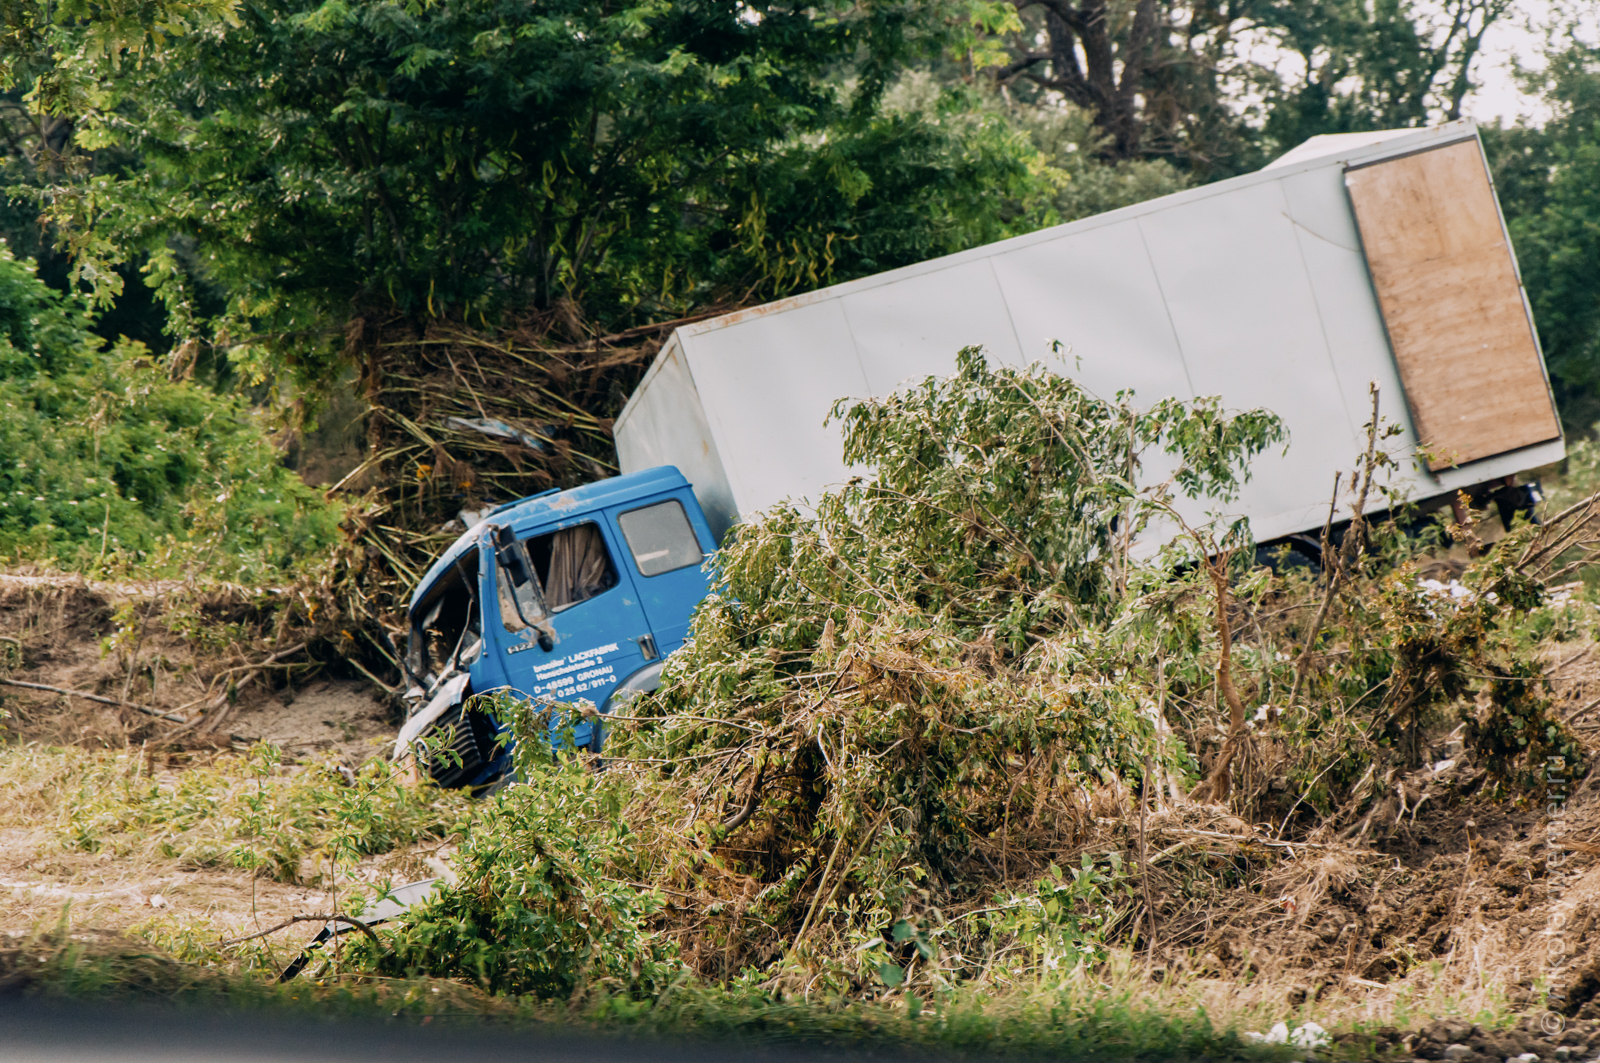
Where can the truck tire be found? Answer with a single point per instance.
(643, 681)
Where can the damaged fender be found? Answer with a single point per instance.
(446, 697)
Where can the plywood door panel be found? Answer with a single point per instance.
(1448, 287)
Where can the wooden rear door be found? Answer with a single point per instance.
(1448, 287)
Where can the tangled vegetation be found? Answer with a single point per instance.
(923, 736)
(943, 762)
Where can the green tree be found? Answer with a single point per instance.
(611, 164)
(1383, 65)
(1549, 184)
(1220, 87)
(54, 58)
(106, 461)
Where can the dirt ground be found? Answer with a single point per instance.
(63, 632)
(111, 640)
(1447, 899)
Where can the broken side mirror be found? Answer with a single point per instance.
(518, 584)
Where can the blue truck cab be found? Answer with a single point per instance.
(564, 596)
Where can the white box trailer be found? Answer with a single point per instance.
(1354, 258)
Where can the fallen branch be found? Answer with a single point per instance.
(220, 705)
(380, 684)
(310, 917)
(1556, 535)
(157, 713)
(752, 802)
(1349, 549)
(821, 902)
(267, 663)
(679, 716)
(1251, 839)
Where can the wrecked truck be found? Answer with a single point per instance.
(1356, 259)
(563, 596)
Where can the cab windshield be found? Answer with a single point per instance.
(445, 623)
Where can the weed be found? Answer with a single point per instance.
(244, 812)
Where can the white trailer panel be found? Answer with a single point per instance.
(1256, 289)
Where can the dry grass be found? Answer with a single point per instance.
(82, 839)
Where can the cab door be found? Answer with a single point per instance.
(665, 541)
(595, 620)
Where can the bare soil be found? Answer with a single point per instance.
(62, 632)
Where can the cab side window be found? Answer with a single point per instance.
(660, 538)
(573, 565)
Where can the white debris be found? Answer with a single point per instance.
(1563, 594)
(1310, 1035)
(1454, 590)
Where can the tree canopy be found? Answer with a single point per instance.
(1549, 184)
(275, 196)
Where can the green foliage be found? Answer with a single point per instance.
(1087, 184)
(996, 494)
(461, 161)
(1076, 1014)
(1417, 661)
(1384, 65)
(931, 175)
(249, 812)
(1219, 89)
(1549, 185)
(866, 694)
(107, 461)
(1077, 181)
(547, 902)
(1069, 919)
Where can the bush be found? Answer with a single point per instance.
(106, 462)
(548, 901)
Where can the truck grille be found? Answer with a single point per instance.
(470, 736)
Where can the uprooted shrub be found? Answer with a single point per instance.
(1418, 661)
(920, 688)
(906, 740)
(549, 899)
